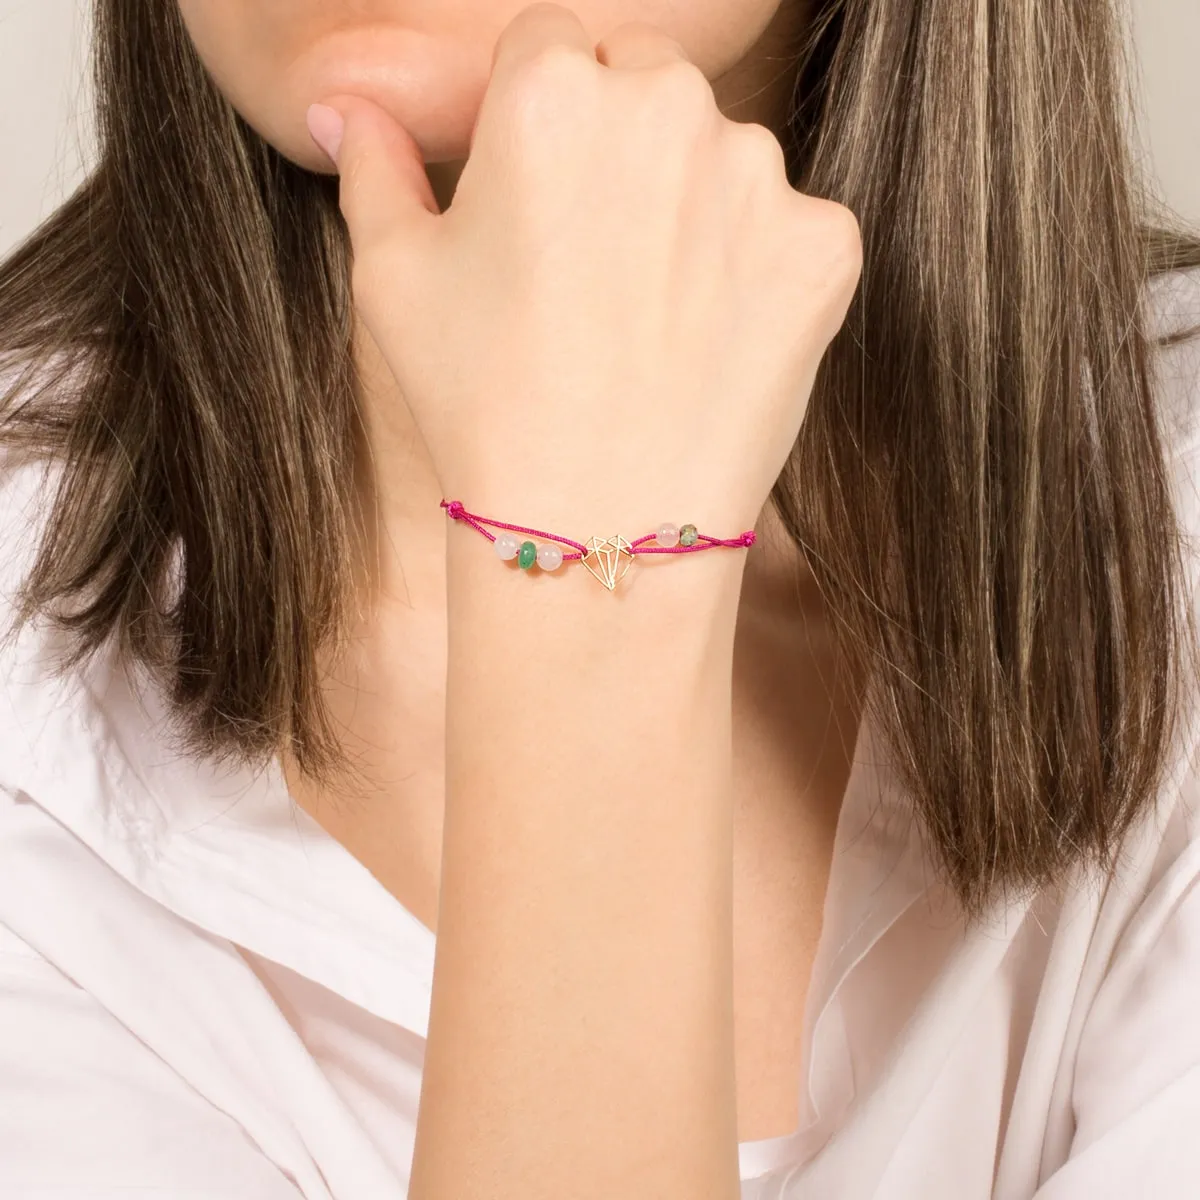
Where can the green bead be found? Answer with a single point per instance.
(688, 536)
(527, 555)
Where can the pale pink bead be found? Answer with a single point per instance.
(667, 535)
(507, 545)
(549, 556)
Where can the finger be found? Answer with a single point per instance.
(637, 44)
(384, 191)
(533, 29)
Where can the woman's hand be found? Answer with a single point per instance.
(619, 318)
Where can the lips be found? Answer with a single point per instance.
(432, 84)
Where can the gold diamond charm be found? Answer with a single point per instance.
(604, 557)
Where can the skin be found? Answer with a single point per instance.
(755, 660)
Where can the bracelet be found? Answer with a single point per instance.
(603, 557)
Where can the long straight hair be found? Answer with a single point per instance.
(981, 485)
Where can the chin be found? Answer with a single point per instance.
(432, 84)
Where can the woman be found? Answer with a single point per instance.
(855, 859)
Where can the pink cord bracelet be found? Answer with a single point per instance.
(608, 559)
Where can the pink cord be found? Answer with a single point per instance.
(455, 509)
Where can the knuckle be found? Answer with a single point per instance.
(546, 102)
(552, 66)
(761, 147)
(683, 87)
(540, 14)
(826, 231)
(821, 245)
(844, 233)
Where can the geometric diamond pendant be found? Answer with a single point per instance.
(608, 559)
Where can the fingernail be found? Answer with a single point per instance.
(326, 125)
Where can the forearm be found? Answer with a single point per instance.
(580, 1039)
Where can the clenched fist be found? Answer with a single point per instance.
(619, 318)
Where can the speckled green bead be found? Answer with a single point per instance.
(688, 535)
(527, 555)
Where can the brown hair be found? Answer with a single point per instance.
(980, 486)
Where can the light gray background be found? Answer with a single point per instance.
(46, 134)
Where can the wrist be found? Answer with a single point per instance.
(681, 605)
(657, 547)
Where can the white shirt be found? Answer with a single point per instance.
(202, 994)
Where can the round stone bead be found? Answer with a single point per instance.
(688, 535)
(507, 545)
(667, 535)
(549, 556)
(527, 555)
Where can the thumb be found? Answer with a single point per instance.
(384, 189)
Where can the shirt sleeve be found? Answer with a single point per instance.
(1137, 1078)
(88, 1112)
